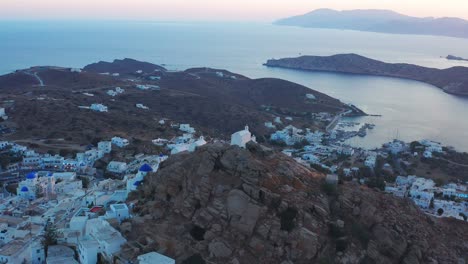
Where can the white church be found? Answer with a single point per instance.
(242, 137)
(33, 185)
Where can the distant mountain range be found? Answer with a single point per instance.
(452, 80)
(384, 21)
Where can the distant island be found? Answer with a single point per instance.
(383, 21)
(451, 57)
(452, 80)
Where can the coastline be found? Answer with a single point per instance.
(329, 64)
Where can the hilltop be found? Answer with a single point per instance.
(452, 80)
(224, 204)
(384, 21)
(43, 102)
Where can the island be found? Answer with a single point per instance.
(456, 58)
(383, 21)
(453, 80)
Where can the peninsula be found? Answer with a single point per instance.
(456, 58)
(383, 21)
(452, 80)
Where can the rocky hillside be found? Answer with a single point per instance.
(224, 204)
(125, 66)
(452, 80)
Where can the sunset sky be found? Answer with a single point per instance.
(243, 10)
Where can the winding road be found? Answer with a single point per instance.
(35, 75)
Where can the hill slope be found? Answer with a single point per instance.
(384, 21)
(452, 80)
(214, 103)
(223, 204)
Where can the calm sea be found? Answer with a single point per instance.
(410, 110)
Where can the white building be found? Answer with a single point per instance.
(311, 158)
(242, 137)
(147, 87)
(118, 211)
(111, 93)
(105, 236)
(270, 125)
(395, 146)
(88, 250)
(3, 114)
(160, 141)
(98, 107)
(105, 146)
(186, 128)
(371, 160)
(348, 151)
(120, 142)
(28, 188)
(117, 167)
(427, 154)
(310, 96)
(197, 143)
(177, 148)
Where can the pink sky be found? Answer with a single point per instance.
(245, 10)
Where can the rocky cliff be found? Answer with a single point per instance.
(452, 80)
(224, 204)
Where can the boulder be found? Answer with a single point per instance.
(219, 249)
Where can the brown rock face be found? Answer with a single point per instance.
(224, 204)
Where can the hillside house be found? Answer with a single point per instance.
(105, 146)
(186, 128)
(120, 142)
(98, 108)
(117, 167)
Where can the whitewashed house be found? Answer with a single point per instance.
(108, 239)
(186, 128)
(197, 143)
(118, 211)
(111, 93)
(311, 158)
(98, 107)
(117, 167)
(105, 146)
(3, 114)
(270, 125)
(120, 142)
(242, 137)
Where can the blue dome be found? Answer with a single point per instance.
(50, 174)
(146, 168)
(31, 175)
(24, 189)
(136, 183)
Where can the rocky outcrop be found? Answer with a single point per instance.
(224, 204)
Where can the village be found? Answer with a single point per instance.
(54, 208)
